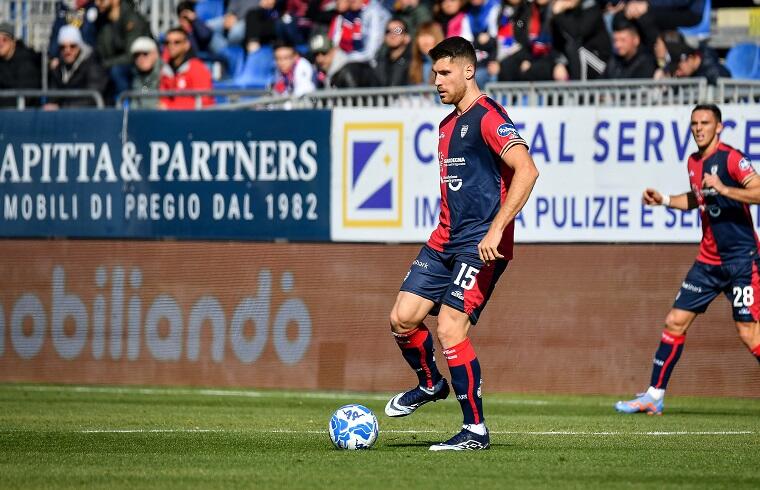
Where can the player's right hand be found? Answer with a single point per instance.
(651, 197)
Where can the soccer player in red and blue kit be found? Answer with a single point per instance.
(486, 177)
(723, 185)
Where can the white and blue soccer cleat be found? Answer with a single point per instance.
(407, 402)
(465, 440)
(643, 403)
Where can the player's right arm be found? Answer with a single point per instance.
(683, 201)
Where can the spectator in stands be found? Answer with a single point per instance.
(337, 70)
(452, 15)
(146, 72)
(295, 75)
(269, 22)
(19, 65)
(359, 31)
(581, 39)
(525, 42)
(688, 62)
(413, 14)
(631, 59)
(182, 72)
(197, 31)
(656, 16)
(394, 56)
(78, 69)
(230, 28)
(421, 66)
(119, 26)
(81, 14)
(483, 16)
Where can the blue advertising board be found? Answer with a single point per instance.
(148, 174)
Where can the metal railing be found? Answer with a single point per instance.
(33, 20)
(730, 91)
(614, 93)
(232, 96)
(416, 96)
(21, 96)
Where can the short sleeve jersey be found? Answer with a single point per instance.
(727, 231)
(474, 178)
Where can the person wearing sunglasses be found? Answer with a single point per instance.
(183, 71)
(78, 69)
(146, 72)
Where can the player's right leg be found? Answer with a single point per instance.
(413, 303)
(701, 285)
(669, 351)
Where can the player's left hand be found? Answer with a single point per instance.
(712, 181)
(488, 247)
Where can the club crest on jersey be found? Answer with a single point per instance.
(506, 130)
(714, 169)
(464, 129)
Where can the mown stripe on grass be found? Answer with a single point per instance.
(407, 431)
(128, 390)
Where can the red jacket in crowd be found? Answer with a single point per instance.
(192, 74)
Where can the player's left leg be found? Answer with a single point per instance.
(472, 284)
(749, 332)
(744, 295)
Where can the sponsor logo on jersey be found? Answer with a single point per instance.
(454, 162)
(745, 164)
(506, 130)
(462, 397)
(453, 181)
(659, 362)
(441, 135)
(480, 388)
(458, 294)
(464, 129)
(691, 287)
(744, 311)
(419, 263)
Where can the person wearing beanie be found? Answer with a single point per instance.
(78, 69)
(146, 72)
(19, 65)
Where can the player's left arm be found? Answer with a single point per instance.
(518, 159)
(741, 170)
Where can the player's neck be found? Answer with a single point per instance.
(709, 149)
(470, 96)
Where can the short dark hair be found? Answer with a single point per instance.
(185, 5)
(177, 30)
(454, 47)
(282, 43)
(709, 107)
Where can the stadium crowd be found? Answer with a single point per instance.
(296, 46)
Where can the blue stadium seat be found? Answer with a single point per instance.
(700, 31)
(257, 71)
(743, 61)
(209, 9)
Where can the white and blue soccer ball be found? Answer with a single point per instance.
(353, 427)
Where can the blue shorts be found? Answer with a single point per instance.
(740, 283)
(455, 279)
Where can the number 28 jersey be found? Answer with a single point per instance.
(474, 178)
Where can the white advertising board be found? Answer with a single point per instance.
(594, 165)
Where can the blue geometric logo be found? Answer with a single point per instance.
(381, 199)
(372, 174)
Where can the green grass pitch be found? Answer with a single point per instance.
(109, 437)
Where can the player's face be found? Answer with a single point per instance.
(705, 128)
(450, 79)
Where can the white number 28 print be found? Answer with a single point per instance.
(466, 277)
(743, 296)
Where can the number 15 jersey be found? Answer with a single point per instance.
(474, 178)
